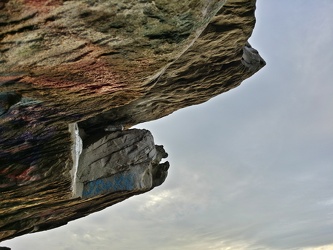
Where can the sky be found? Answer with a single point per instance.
(250, 169)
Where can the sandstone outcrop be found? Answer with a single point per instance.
(103, 66)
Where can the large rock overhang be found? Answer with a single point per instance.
(99, 64)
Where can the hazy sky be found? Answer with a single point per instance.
(250, 169)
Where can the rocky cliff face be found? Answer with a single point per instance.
(74, 73)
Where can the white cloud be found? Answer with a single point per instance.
(327, 247)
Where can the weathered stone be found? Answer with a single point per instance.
(251, 58)
(4, 248)
(160, 172)
(118, 161)
(93, 66)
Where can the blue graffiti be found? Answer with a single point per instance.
(119, 182)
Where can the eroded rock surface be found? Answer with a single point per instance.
(119, 161)
(102, 65)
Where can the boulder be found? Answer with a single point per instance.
(118, 161)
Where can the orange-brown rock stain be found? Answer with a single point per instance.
(42, 3)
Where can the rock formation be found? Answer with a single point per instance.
(75, 73)
(118, 161)
(4, 248)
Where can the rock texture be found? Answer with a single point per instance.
(102, 65)
(119, 161)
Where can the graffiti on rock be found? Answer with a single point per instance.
(116, 161)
